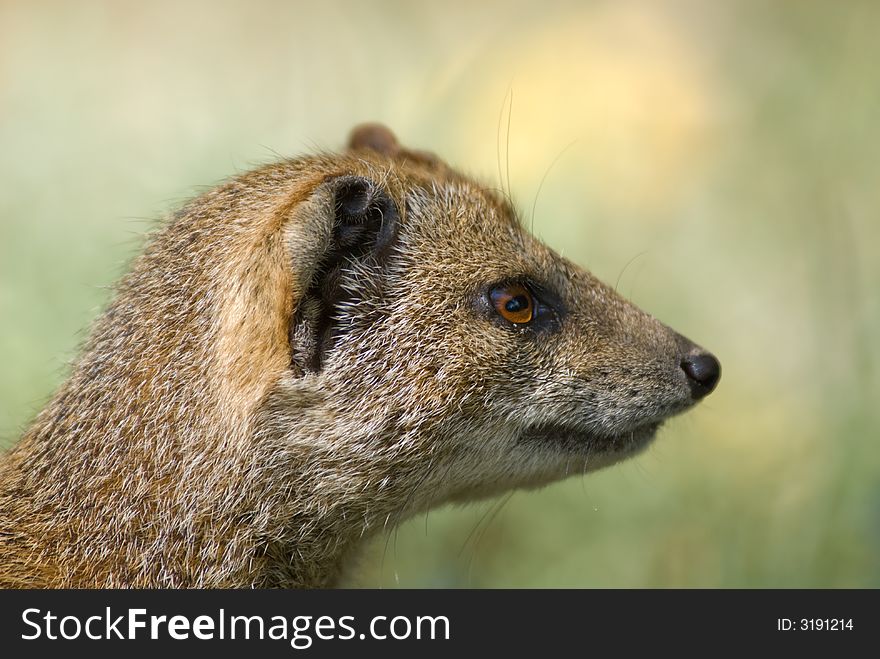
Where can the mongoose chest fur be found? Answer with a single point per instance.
(316, 349)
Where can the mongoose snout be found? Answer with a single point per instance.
(316, 350)
(703, 372)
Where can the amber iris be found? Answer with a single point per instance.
(514, 303)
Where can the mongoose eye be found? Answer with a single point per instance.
(513, 302)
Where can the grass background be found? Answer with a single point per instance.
(724, 170)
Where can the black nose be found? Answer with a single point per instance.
(703, 372)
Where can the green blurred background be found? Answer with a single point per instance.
(722, 168)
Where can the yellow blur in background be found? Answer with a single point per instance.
(718, 162)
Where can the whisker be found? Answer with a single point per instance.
(507, 147)
(398, 517)
(544, 178)
(497, 509)
(475, 527)
(628, 263)
(498, 139)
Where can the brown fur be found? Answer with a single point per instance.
(257, 399)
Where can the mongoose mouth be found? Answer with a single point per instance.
(585, 441)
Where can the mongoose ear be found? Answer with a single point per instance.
(378, 138)
(374, 137)
(364, 227)
(365, 217)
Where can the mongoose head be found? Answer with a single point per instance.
(449, 353)
(316, 349)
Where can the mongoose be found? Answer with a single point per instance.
(315, 350)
